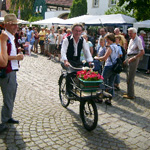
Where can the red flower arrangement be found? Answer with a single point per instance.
(89, 75)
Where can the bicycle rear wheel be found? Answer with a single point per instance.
(62, 91)
(88, 114)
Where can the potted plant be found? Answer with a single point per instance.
(89, 79)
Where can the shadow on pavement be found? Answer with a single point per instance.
(99, 138)
(34, 55)
(11, 139)
(130, 117)
(137, 83)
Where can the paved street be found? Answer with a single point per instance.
(45, 124)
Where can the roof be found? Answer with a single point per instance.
(67, 3)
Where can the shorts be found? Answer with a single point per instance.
(52, 48)
(58, 49)
(41, 42)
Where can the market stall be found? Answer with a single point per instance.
(144, 25)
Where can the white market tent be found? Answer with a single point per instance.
(114, 19)
(23, 21)
(48, 21)
(142, 24)
(20, 21)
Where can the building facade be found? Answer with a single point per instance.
(52, 8)
(61, 8)
(99, 7)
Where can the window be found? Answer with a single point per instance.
(95, 3)
(40, 9)
(113, 2)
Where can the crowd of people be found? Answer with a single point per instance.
(70, 46)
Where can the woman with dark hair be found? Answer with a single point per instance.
(112, 53)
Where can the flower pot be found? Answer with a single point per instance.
(89, 86)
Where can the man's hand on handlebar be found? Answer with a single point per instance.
(91, 65)
(66, 63)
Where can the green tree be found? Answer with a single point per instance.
(26, 7)
(140, 8)
(119, 10)
(78, 8)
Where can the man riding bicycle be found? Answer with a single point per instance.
(71, 51)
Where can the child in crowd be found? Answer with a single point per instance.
(90, 45)
(101, 52)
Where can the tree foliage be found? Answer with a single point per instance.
(119, 10)
(26, 8)
(78, 8)
(140, 8)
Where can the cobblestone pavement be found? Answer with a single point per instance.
(45, 124)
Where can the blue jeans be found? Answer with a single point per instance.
(109, 78)
(117, 79)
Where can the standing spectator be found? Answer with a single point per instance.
(110, 58)
(30, 37)
(103, 33)
(102, 50)
(41, 39)
(141, 36)
(3, 49)
(9, 83)
(51, 39)
(59, 40)
(18, 37)
(123, 41)
(36, 36)
(46, 42)
(64, 32)
(90, 45)
(134, 52)
(68, 33)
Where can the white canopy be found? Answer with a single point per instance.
(20, 21)
(23, 21)
(114, 19)
(142, 24)
(53, 20)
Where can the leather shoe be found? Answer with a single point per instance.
(11, 120)
(128, 97)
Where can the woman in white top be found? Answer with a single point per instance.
(59, 40)
(112, 53)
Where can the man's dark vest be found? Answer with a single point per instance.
(9, 46)
(70, 50)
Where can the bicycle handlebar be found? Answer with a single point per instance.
(83, 68)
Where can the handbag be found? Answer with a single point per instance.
(3, 73)
(117, 67)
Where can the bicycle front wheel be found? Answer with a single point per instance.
(88, 114)
(62, 91)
